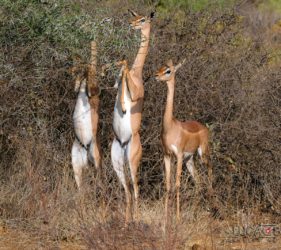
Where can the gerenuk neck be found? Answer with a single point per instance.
(142, 52)
(168, 115)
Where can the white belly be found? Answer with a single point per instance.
(82, 119)
(176, 151)
(122, 122)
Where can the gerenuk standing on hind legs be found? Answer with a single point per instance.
(86, 146)
(126, 146)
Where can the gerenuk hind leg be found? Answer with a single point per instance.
(134, 153)
(79, 161)
(118, 162)
(95, 157)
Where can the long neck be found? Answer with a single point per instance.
(92, 70)
(142, 52)
(168, 115)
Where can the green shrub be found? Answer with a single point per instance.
(194, 5)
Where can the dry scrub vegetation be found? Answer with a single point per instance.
(231, 82)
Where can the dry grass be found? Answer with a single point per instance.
(231, 82)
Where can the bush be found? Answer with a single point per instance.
(230, 82)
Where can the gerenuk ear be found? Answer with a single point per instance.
(133, 12)
(170, 63)
(180, 64)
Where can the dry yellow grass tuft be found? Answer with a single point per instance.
(230, 82)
